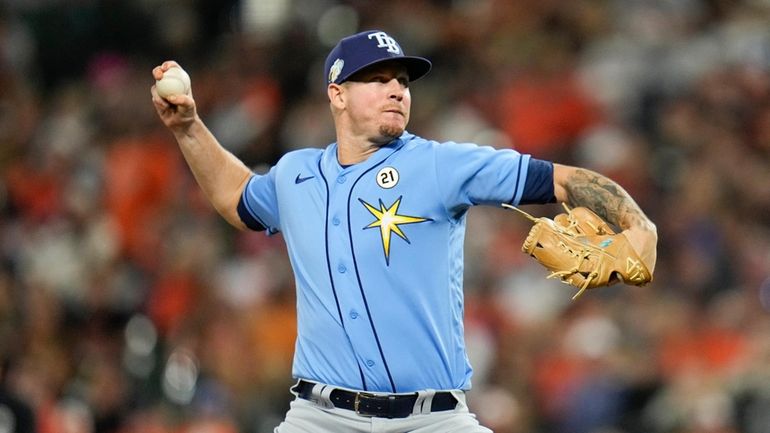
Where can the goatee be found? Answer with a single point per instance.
(390, 132)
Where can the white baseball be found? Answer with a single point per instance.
(175, 81)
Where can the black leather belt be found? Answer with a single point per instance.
(377, 405)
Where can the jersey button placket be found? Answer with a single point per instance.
(357, 327)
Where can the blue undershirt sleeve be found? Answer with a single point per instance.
(538, 188)
(248, 219)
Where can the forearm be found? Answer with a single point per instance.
(581, 187)
(218, 172)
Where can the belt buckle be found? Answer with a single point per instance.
(357, 403)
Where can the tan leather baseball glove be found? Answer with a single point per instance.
(581, 249)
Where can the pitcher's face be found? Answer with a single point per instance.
(379, 101)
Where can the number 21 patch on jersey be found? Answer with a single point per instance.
(387, 177)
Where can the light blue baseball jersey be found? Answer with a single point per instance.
(377, 253)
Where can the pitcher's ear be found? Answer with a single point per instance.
(336, 95)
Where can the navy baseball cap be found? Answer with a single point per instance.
(356, 52)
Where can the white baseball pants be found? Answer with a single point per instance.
(306, 416)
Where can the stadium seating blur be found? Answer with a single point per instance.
(128, 305)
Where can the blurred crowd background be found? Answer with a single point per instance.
(127, 305)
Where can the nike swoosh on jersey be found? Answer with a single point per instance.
(301, 179)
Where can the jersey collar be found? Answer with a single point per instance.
(331, 166)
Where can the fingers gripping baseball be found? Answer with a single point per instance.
(581, 250)
(172, 95)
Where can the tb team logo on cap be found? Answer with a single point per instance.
(364, 49)
(385, 41)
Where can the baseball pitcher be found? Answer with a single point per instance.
(374, 225)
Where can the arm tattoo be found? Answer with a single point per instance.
(605, 197)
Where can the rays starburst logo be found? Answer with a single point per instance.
(389, 221)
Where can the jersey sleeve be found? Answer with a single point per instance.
(470, 175)
(258, 207)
